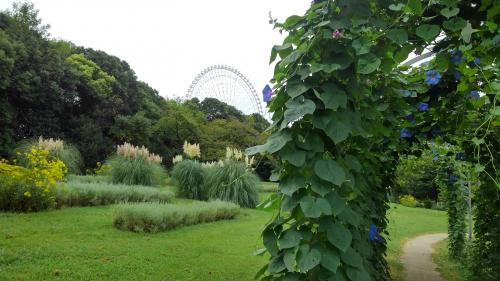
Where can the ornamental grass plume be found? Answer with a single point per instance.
(191, 150)
(130, 151)
(177, 159)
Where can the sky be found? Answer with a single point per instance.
(167, 43)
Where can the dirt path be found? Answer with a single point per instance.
(417, 258)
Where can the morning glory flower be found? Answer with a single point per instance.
(373, 234)
(452, 179)
(456, 56)
(432, 77)
(474, 94)
(410, 118)
(405, 133)
(436, 131)
(337, 34)
(460, 155)
(435, 159)
(423, 106)
(477, 61)
(457, 75)
(267, 93)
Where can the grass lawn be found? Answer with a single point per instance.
(82, 244)
(450, 270)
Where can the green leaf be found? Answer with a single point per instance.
(276, 265)
(308, 258)
(449, 12)
(330, 171)
(333, 97)
(397, 7)
(477, 141)
(428, 32)
(352, 258)
(467, 32)
(368, 63)
(295, 87)
(478, 168)
(296, 109)
(416, 7)
(361, 45)
(270, 241)
(349, 216)
(290, 239)
(319, 187)
(339, 236)
(455, 24)
(291, 276)
(313, 208)
(277, 140)
(398, 36)
(495, 111)
(294, 156)
(289, 259)
(330, 259)
(337, 203)
(358, 274)
(291, 184)
(312, 142)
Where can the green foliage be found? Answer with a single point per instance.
(66, 152)
(233, 182)
(89, 178)
(156, 217)
(135, 171)
(76, 193)
(190, 178)
(408, 201)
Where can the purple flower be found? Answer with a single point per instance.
(435, 159)
(405, 133)
(460, 155)
(267, 93)
(423, 106)
(452, 179)
(410, 118)
(432, 77)
(457, 74)
(474, 94)
(477, 61)
(456, 56)
(373, 234)
(337, 34)
(436, 131)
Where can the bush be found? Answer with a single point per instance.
(408, 201)
(30, 188)
(96, 194)
(233, 182)
(57, 148)
(155, 217)
(190, 179)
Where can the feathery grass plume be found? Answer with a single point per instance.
(155, 217)
(177, 159)
(76, 193)
(57, 148)
(234, 154)
(190, 176)
(233, 182)
(191, 150)
(135, 166)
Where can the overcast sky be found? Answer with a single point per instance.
(168, 42)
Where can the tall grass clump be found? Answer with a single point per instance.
(155, 217)
(233, 182)
(57, 148)
(97, 194)
(135, 165)
(190, 176)
(88, 178)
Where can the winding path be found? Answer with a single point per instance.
(417, 258)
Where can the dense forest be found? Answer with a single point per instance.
(93, 100)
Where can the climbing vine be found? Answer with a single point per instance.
(345, 106)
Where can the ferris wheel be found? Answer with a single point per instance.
(228, 85)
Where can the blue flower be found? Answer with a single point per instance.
(432, 77)
(423, 106)
(410, 118)
(477, 61)
(373, 233)
(474, 94)
(405, 133)
(456, 56)
(436, 131)
(460, 155)
(457, 74)
(452, 179)
(435, 158)
(267, 93)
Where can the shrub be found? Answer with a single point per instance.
(233, 182)
(190, 177)
(134, 165)
(408, 201)
(155, 217)
(96, 194)
(30, 188)
(57, 148)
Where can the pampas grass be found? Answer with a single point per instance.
(190, 177)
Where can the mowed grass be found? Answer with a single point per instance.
(82, 244)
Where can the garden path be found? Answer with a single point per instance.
(417, 258)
